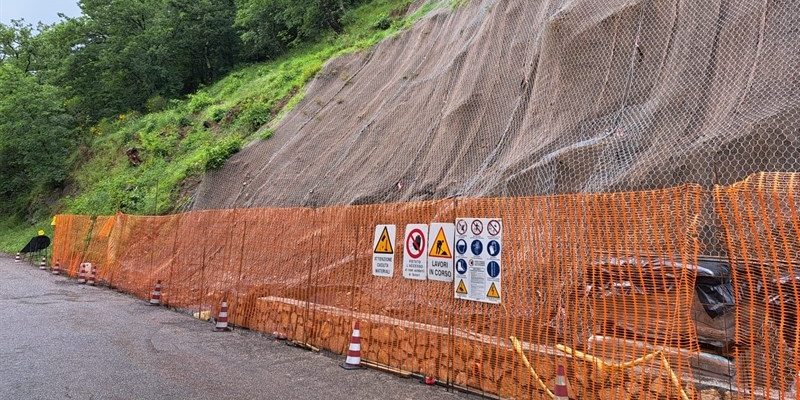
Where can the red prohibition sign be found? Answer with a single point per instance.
(477, 227)
(415, 243)
(461, 227)
(493, 227)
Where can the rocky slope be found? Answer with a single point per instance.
(521, 97)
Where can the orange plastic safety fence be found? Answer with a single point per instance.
(274, 250)
(581, 272)
(761, 217)
(72, 239)
(97, 246)
(599, 274)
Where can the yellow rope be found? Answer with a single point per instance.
(518, 347)
(602, 364)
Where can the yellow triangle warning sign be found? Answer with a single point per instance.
(493, 293)
(439, 246)
(384, 245)
(461, 289)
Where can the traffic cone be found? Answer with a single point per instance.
(43, 264)
(155, 297)
(92, 276)
(561, 384)
(17, 258)
(353, 360)
(81, 274)
(222, 318)
(57, 268)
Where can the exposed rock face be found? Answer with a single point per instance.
(521, 97)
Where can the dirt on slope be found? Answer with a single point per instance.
(521, 97)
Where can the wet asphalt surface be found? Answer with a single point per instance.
(62, 340)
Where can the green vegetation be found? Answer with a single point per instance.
(105, 113)
(14, 233)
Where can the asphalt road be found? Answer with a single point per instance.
(61, 340)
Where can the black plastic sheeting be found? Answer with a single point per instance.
(37, 243)
(714, 288)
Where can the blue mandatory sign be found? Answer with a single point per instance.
(461, 246)
(493, 248)
(477, 247)
(493, 269)
(461, 266)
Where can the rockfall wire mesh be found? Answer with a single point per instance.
(526, 98)
(307, 273)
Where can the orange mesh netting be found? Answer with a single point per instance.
(72, 239)
(760, 217)
(589, 281)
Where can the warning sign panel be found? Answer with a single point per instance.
(461, 288)
(414, 258)
(478, 263)
(383, 251)
(440, 253)
(384, 244)
(493, 293)
(441, 249)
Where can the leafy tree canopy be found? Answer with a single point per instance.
(59, 82)
(36, 135)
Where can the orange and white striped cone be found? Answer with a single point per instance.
(17, 258)
(222, 318)
(92, 276)
(43, 264)
(81, 274)
(561, 384)
(353, 360)
(57, 268)
(155, 297)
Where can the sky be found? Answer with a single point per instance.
(34, 11)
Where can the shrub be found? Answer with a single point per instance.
(185, 121)
(199, 101)
(219, 153)
(383, 24)
(217, 114)
(157, 103)
(161, 142)
(254, 114)
(266, 134)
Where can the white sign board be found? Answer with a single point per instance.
(415, 257)
(383, 251)
(478, 265)
(440, 252)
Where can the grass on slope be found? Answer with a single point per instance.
(178, 140)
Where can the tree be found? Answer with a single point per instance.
(17, 46)
(120, 53)
(269, 28)
(36, 138)
(205, 44)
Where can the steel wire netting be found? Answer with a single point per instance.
(518, 98)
